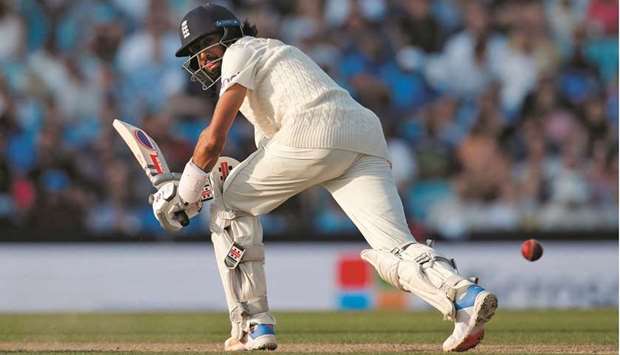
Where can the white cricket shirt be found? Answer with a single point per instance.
(293, 102)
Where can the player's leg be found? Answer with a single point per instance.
(367, 193)
(256, 186)
(238, 244)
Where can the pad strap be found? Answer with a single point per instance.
(423, 258)
(426, 260)
(398, 250)
(449, 286)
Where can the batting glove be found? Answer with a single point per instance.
(168, 207)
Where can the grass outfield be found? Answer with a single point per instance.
(590, 331)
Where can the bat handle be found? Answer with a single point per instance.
(182, 218)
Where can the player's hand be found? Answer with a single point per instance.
(169, 209)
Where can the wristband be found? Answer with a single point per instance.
(192, 183)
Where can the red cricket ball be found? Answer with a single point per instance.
(531, 249)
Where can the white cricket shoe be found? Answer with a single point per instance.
(260, 337)
(474, 308)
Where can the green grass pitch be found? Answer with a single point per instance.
(566, 331)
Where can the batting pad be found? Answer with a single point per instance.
(238, 243)
(416, 268)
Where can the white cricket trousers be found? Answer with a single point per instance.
(361, 184)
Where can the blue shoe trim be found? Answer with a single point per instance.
(262, 329)
(469, 298)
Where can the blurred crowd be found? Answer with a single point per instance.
(500, 115)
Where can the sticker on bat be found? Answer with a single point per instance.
(156, 164)
(143, 139)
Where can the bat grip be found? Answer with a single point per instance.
(182, 218)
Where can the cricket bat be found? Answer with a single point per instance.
(144, 148)
(148, 155)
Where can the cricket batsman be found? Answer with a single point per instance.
(308, 131)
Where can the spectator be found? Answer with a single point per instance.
(418, 27)
(465, 67)
(498, 114)
(6, 202)
(11, 32)
(565, 16)
(147, 57)
(603, 16)
(578, 76)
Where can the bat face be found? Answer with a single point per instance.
(143, 148)
(153, 162)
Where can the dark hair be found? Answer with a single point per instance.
(248, 30)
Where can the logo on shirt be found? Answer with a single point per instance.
(184, 29)
(229, 79)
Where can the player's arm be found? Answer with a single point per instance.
(210, 144)
(237, 78)
(212, 139)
